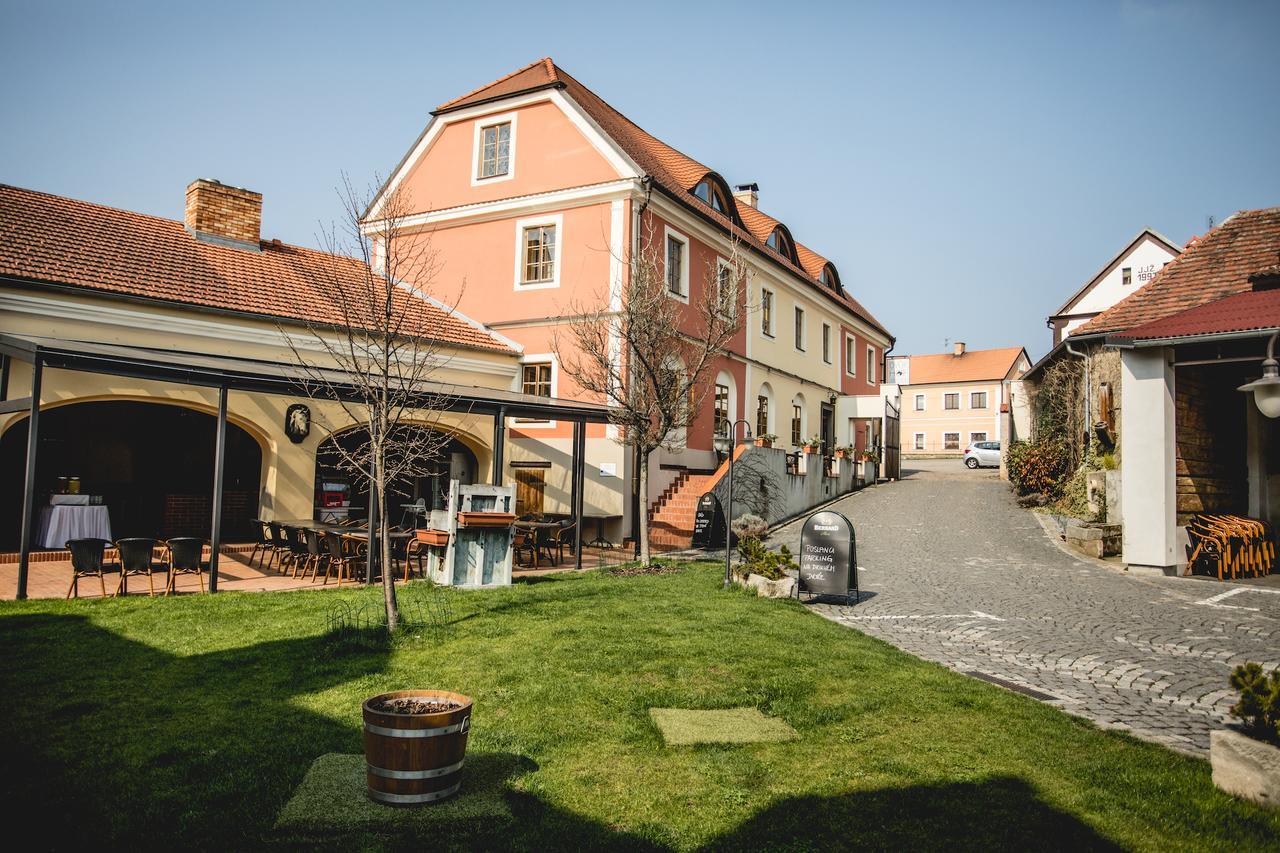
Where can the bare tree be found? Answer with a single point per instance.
(377, 356)
(648, 354)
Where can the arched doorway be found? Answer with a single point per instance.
(152, 463)
(336, 482)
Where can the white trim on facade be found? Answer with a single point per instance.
(557, 221)
(537, 358)
(476, 145)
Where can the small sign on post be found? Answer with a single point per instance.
(828, 557)
(708, 523)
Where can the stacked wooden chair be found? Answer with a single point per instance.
(1230, 546)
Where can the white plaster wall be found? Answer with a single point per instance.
(1145, 260)
(1147, 487)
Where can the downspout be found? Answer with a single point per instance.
(1088, 413)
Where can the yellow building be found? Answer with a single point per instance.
(951, 400)
(132, 331)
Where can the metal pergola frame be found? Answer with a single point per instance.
(264, 377)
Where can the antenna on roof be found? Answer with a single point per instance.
(1209, 221)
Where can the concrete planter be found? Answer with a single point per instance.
(1245, 767)
(1093, 539)
(765, 588)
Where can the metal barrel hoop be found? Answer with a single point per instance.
(415, 774)
(463, 726)
(431, 797)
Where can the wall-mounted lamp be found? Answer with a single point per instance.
(1266, 391)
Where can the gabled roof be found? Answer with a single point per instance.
(1144, 234)
(48, 240)
(673, 171)
(1217, 265)
(973, 366)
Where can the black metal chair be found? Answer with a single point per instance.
(315, 554)
(297, 545)
(262, 545)
(87, 561)
(561, 536)
(184, 556)
(137, 557)
(280, 553)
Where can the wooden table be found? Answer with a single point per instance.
(537, 528)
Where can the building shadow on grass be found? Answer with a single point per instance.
(108, 742)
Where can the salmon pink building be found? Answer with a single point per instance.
(536, 193)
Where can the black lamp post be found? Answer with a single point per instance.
(728, 442)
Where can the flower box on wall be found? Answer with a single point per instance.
(438, 538)
(486, 519)
(764, 442)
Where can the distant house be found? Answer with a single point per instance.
(950, 400)
(1135, 265)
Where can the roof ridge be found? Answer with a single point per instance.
(492, 83)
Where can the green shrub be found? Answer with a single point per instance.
(759, 560)
(1259, 704)
(749, 526)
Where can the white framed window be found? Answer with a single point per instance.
(538, 252)
(951, 441)
(919, 402)
(538, 377)
(871, 365)
(978, 400)
(493, 152)
(851, 355)
(1126, 275)
(726, 290)
(799, 321)
(919, 441)
(676, 263)
(951, 401)
(826, 342)
(766, 312)
(975, 437)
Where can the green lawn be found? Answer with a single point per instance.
(191, 721)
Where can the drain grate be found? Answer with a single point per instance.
(1017, 688)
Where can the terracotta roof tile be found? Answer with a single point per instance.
(1241, 312)
(49, 239)
(1216, 265)
(673, 170)
(973, 366)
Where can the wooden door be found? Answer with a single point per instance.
(531, 484)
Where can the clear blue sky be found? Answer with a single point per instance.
(966, 166)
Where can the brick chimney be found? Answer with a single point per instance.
(747, 194)
(959, 348)
(224, 214)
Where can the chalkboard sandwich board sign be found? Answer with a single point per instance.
(828, 557)
(708, 523)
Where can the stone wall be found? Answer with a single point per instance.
(763, 486)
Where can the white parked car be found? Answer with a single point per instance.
(982, 453)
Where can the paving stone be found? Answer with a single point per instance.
(1134, 651)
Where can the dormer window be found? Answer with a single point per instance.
(713, 195)
(781, 243)
(829, 278)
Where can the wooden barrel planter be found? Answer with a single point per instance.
(412, 759)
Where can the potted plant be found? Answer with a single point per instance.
(813, 444)
(415, 742)
(1246, 758)
(766, 440)
(842, 452)
(766, 571)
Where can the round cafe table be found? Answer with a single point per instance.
(60, 523)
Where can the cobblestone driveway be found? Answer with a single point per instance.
(960, 575)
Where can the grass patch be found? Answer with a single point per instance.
(684, 727)
(192, 721)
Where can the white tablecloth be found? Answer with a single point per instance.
(60, 523)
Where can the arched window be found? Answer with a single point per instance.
(764, 411)
(710, 191)
(830, 277)
(724, 403)
(797, 420)
(780, 241)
